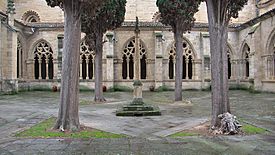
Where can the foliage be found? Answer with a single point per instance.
(43, 130)
(107, 17)
(234, 7)
(228, 9)
(54, 3)
(178, 13)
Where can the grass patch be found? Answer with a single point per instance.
(43, 130)
(183, 134)
(251, 129)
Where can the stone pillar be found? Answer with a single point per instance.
(10, 83)
(87, 68)
(186, 67)
(159, 57)
(47, 68)
(80, 69)
(55, 69)
(110, 59)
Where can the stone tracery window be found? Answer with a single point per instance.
(128, 60)
(188, 61)
(43, 57)
(245, 58)
(87, 61)
(269, 59)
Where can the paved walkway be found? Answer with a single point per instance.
(147, 134)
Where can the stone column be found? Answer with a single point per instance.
(87, 68)
(186, 66)
(10, 84)
(80, 69)
(47, 68)
(40, 68)
(159, 57)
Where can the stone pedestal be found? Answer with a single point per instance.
(137, 107)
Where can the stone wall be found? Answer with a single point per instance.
(45, 13)
(3, 5)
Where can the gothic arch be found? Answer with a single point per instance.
(189, 55)
(270, 43)
(30, 17)
(127, 56)
(43, 60)
(87, 61)
(269, 56)
(245, 60)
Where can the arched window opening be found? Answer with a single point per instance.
(36, 67)
(131, 67)
(187, 63)
(143, 67)
(43, 61)
(229, 64)
(124, 67)
(184, 67)
(87, 61)
(128, 60)
(91, 67)
(245, 60)
(190, 68)
(171, 67)
(50, 73)
(19, 59)
(43, 67)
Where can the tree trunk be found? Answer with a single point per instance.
(219, 72)
(68, 118)
(98, 69)
(179, 54)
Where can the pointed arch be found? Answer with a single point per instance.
(128, 59)
(269, 56)
(43, 60)
(245, 60)
(189, 56)
(87, 61)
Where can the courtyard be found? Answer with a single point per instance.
(143, 135)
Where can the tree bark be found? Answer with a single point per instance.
(219, 66)
(98, 69)
(68, 117)
(179, 54)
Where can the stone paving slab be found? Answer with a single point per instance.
(147, 134)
